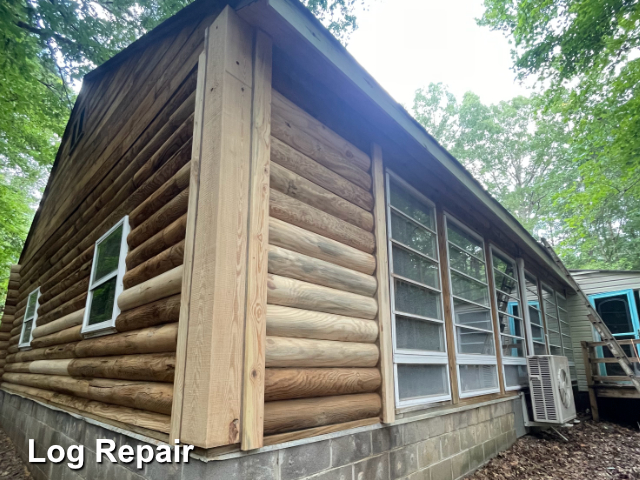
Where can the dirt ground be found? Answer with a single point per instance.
(10, 464)
(593, 451)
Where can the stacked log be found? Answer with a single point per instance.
(125, 377)
(9, 333)
(321, 352)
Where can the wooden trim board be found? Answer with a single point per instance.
(252, 425)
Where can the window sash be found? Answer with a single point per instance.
(29, 320)
(404, 356)
(108, 325)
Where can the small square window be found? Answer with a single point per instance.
(30, 317)
(106, 285)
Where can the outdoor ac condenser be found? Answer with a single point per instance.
(551, 392)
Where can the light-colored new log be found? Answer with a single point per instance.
(308, 192)
(302, 352)
(152, 397)
(45, 367)
(291, 264)
(293, 293)
(63, 323)
(126, 415)
(287, 415)
(291, 237)
(288, 383)
(293, 322)
(165, 285)
(165, 310)
(290, 210)
(71, 334)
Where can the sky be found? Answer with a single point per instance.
(406, 44)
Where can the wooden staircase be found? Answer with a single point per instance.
(608, 340)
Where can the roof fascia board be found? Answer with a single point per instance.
(307, 26)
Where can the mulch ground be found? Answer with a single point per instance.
(594, 450)
(10, 464)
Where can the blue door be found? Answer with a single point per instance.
(619, 312)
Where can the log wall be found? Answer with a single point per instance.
(126, 376)
(322, 354)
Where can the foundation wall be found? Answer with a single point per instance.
(438, 448)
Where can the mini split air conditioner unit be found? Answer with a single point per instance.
(550, 388)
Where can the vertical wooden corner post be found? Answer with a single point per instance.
(382, 276)
(488, 255)
(227, 203)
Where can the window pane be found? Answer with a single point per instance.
(478, 377)
(471, 315)
(539, 349)
(469, 290)
(554, 338)
(537, 333)
(507, 304)
(548, 296)
(474, 342)
(552, 323)
(26, 334)
(516, 375)
(417, 381)
(568, 352)
(510, 325)
(467, 264)
(503, 265)
(506, 284)
(102, 302)
(566, 341)
(415, 267)
(532, 289)
(563, 315)
(550, 309)
(413, 334)
(31, 305)
(463, 240)
(512, 347)
(413, 235)
(108, 254)
(555, 350)
(534, 314)
(419, 301)
(562, 302)
(411, 205)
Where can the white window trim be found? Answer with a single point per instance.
(108, 326)
(27, 345)
(471, 359)
(555, 315)
(403, 356)
(542, 319)
(509, 360)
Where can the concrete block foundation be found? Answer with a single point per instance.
(423, 447)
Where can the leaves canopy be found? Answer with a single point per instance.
(46, 48)
(585, 56)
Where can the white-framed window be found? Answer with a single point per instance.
(471, 304)
(511, 321)
(105, 285)
(538, 338)
(554, 337)
(30, 317)
(418, 329)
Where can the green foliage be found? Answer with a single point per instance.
(584, 54)
(45, 49)
(519, 154)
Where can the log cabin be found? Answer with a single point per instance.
(248, 246)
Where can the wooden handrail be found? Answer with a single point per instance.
(634, 341)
